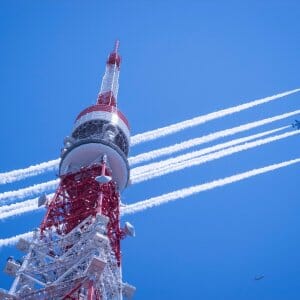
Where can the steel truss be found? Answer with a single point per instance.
(78, 265)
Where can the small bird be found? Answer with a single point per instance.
(259, 277)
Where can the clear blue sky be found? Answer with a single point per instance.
(180, 59)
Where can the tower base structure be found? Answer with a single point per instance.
(78, 265)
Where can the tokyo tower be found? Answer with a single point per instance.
(75, 253)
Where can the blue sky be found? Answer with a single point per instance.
(180, 59)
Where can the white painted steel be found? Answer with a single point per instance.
(85, 154)
(106, 116)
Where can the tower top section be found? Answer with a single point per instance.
(114, 58)
(99, 130)
(106, 103)
(110, 83)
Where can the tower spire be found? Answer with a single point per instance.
(110, 82)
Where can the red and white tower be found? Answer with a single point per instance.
(75, 254)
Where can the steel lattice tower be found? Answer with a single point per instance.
(75, 254)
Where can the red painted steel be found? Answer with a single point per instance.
(93, 293)
(79, 196)
(107, 98)
(114, 58)
(69, 295)
(102, 107)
